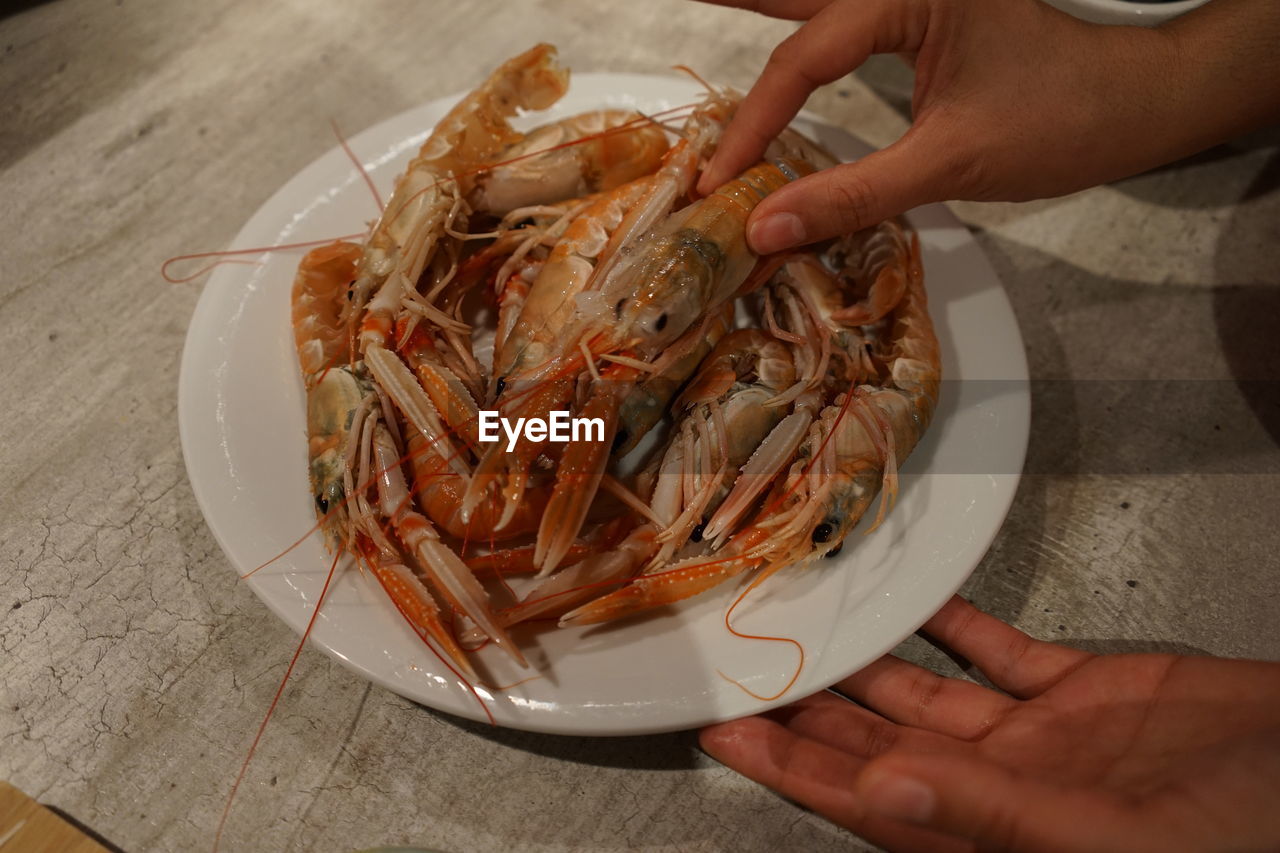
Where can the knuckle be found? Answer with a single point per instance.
(961, 629)
(794, 59)
(985, 727)
(960, 152)
(852, 200)
(924, 690)
(970, 168)
(787, 53)
(880, 737)
(789, 761)
(967, 163)
(1015, 654)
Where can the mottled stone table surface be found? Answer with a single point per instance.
(135, 669)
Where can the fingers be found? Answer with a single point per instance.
(814, 775)
(790, 10)
(835, 41)
(851, 196)
(971, 798)
(828, 719)
(913, 696)
(1013, 661)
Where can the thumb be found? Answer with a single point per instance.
(977, 800)
(849, 197)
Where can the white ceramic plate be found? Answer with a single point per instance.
(241, 413)
(1127, 12)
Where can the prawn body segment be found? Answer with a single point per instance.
(617, 146)
(693, 264)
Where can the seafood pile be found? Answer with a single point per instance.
(741, 413)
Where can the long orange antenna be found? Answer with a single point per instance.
(244, 767)
(355, 161)
(728, 615)
(257, 250)
(695, 75)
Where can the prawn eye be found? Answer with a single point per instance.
(823, 532)
(500, 386)
(322, 504)
(661, 322)
(617, 309)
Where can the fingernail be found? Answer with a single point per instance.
(775, 233)
(903, 798)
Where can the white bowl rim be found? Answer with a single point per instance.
(1140, 10)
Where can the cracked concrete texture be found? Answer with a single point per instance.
(135, 671)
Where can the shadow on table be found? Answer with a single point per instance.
(1126, 375)
(1209, 178)
(68, 72)
(1077, 323)
(16, 7)
(670, 751)
(1247, 315)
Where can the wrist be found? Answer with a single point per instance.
(1154, 96)
(1153, 118)
(1223, 66)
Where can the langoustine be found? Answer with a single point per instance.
(614, 296)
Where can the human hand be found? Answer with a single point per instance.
(1081, 752)
(1013, 100)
